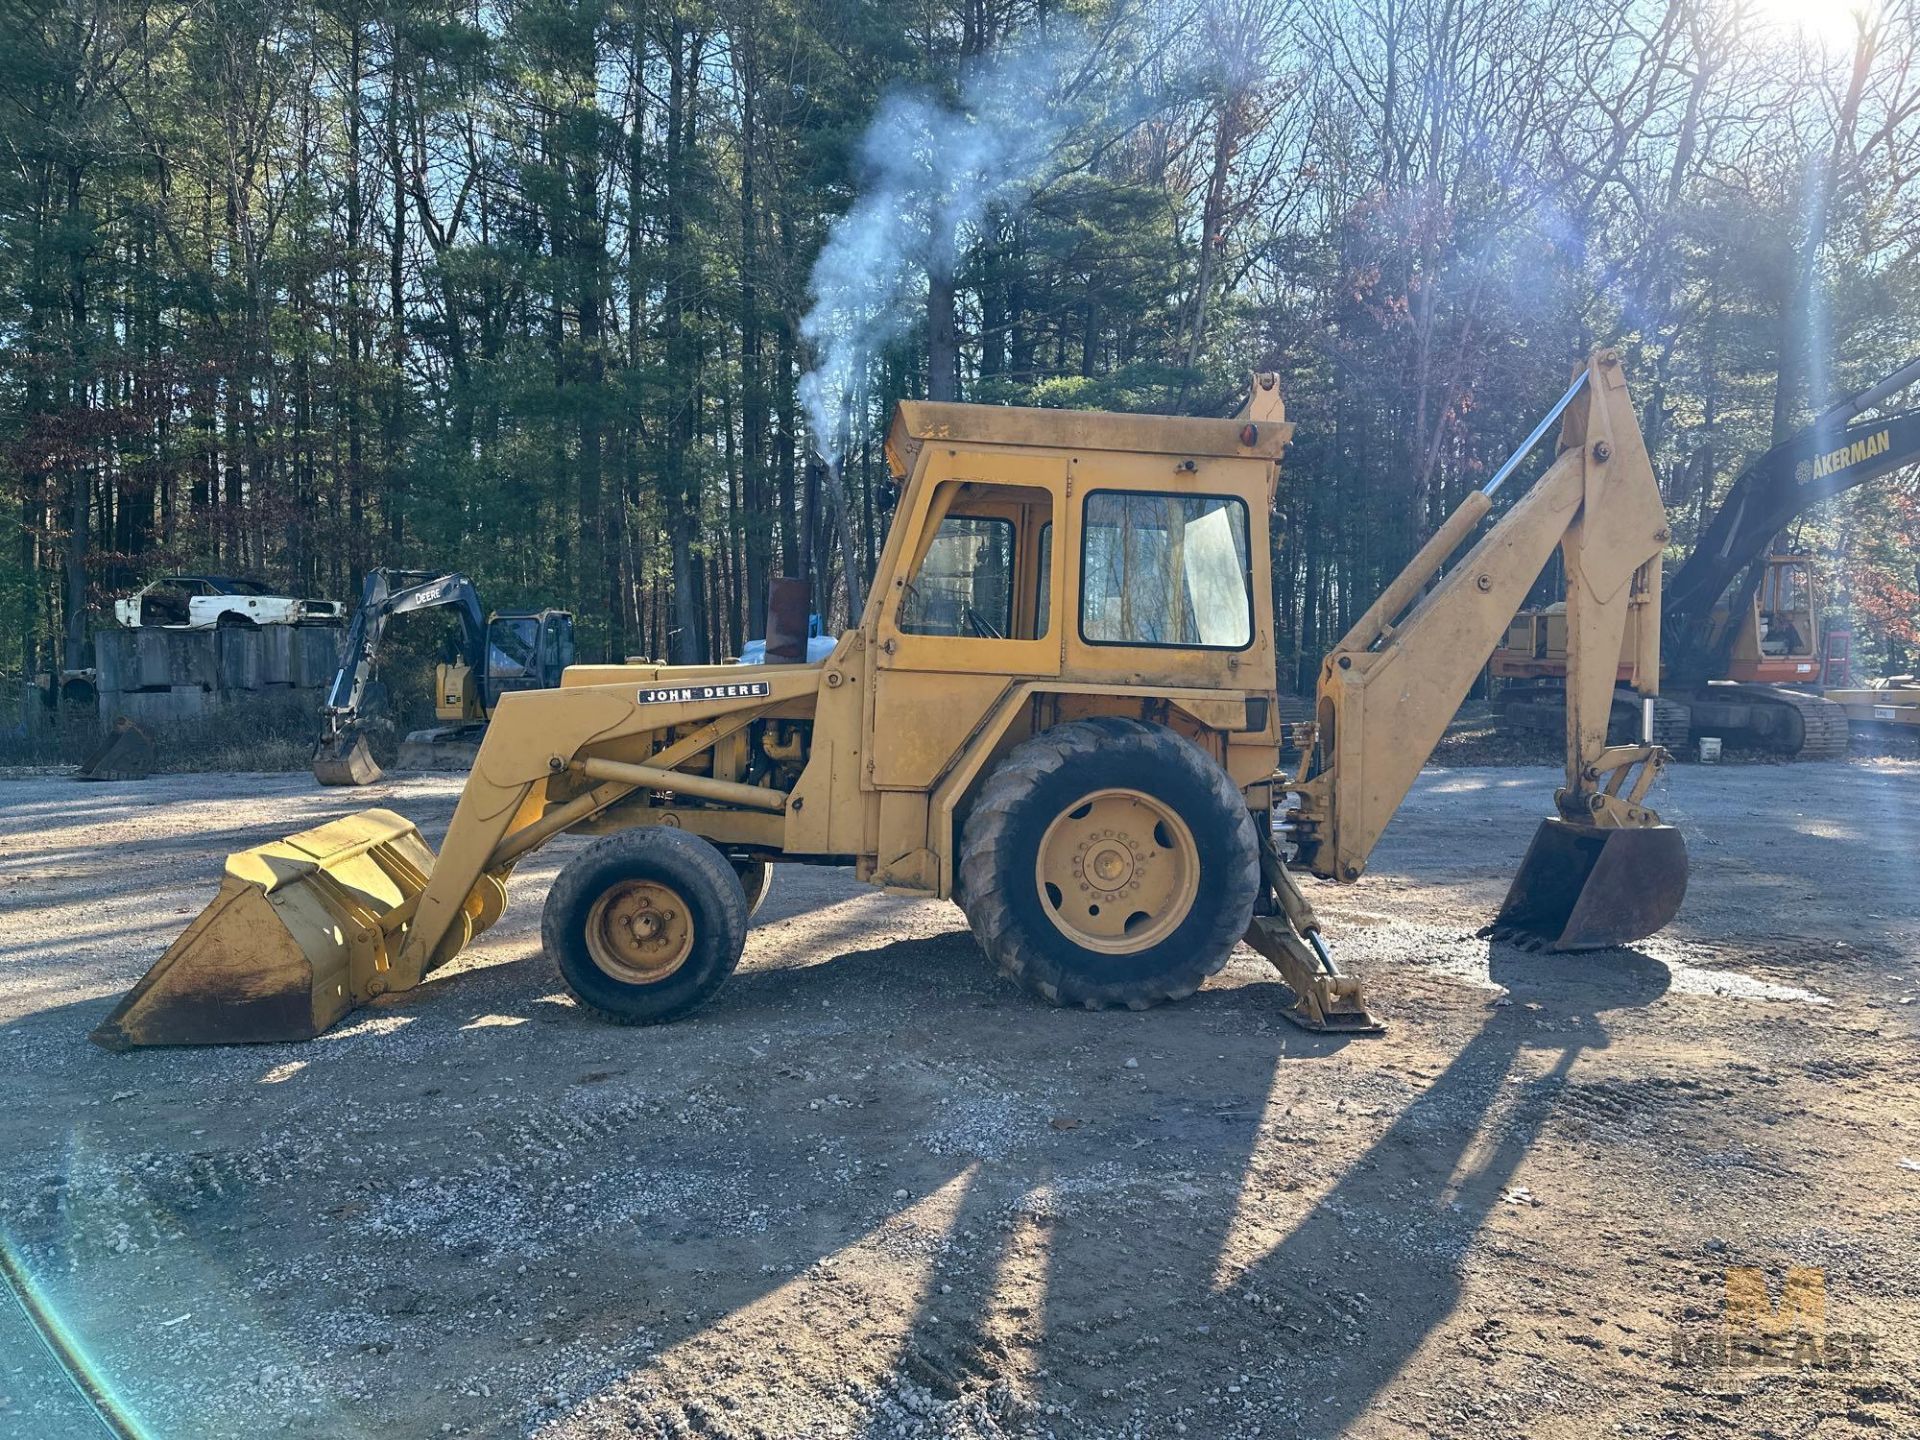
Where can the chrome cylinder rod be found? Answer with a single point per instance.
(1539, 431)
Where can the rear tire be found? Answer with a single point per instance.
(1109, 862)
(645, 925)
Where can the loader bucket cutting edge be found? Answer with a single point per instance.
(345, 762)
(1584, 888)
(288, 946)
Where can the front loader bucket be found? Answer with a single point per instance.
(345, 760)
(1582, 887)
(292, 942)
(126, 754)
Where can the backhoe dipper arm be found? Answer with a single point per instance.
(1389, 688)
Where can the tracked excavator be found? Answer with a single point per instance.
(1743, 643)
(1057, 708)
(498, 654)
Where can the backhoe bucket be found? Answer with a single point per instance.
(1583, 888)
(126, 754)
(292, 942)
(345, 760)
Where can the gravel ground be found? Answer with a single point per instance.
(872, 1190)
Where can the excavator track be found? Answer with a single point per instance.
(1543, 707)
(1823, 724)
(1672, 721)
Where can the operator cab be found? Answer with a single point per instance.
(1157, 570)
(1778, 636)
(527, 651)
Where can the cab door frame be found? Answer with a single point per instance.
(928, 693)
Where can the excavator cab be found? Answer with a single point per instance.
(525, 650)
(1778, 639)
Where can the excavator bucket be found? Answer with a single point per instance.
(126, 754)
(1582, 887)
(345, 760)
(294, 940)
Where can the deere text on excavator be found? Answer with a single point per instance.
(1057, 708)
(495, 655)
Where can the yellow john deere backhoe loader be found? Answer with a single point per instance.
(1058, 709)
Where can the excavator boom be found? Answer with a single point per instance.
(342, 755)
(1740, 620)
(1835, 453)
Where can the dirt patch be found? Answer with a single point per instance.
(873, 1191)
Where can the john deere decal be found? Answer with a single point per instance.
(686, 694)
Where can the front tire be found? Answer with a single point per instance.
(645, 925)
(1109, 862)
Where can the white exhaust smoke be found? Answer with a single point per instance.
(930, 171)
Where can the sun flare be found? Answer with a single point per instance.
(1833, 25)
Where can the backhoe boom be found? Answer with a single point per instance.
(1388, 690)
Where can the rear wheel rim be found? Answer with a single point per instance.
(1117, 871)
(639, 931)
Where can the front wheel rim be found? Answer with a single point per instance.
(1117, 871)
(639, 932)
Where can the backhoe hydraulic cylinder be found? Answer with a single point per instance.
(1539, 432)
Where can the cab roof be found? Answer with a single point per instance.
(916, 422)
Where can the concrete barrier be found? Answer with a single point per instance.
(156, 676)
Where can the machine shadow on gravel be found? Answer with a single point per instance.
(1061, 1213)
(1393, 1229)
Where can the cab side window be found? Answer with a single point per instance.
(965, 584)
(1166, 570)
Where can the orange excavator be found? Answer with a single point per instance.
(1743, 649)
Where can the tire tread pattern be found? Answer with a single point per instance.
(986, 859)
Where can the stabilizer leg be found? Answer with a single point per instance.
(1325, 1001)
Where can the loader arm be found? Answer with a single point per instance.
(306, 929)
(552, 759)
(1389, 688)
